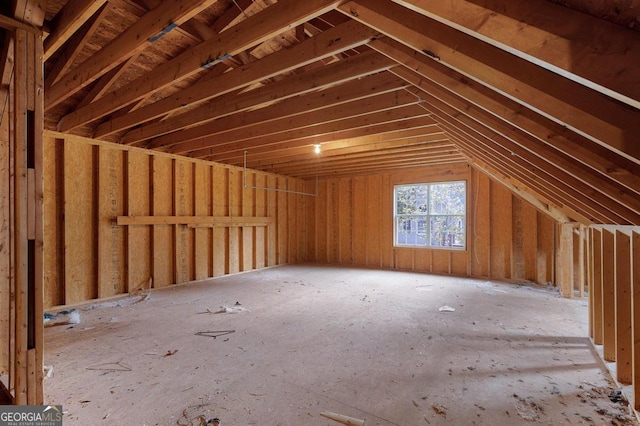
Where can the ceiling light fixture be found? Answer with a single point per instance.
(316, 148)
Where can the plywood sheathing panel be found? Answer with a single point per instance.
(479, 239)
(507, 237)
(80, 228)
(235, 208)
(112, 248)
(183, 206)
(96, 182)
(163, 246)
(139, 198)
(220, 208)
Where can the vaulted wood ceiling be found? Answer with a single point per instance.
(542, 95)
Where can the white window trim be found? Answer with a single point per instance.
(427, 216)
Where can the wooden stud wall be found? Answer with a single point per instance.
(351, 220)
(614, 276)
(21, 223)
(121, 219)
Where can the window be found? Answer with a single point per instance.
(430, 215)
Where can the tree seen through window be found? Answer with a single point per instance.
(430, 215)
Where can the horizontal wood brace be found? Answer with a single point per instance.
(195, 221)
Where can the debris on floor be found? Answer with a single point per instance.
(71, 316)
(341, 418)
(198, 415)
(527, 409)
(214, 334)
(170, 352)
(226, 309)
(110, 367)
(439, 409)
(616, 395)
(48, 371)
(446, 308)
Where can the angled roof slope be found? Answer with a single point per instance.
(542, 96)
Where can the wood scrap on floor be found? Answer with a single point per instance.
(340, 418)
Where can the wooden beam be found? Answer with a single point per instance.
(436, 140)
(349, 35)
(595, 289)
(368, 86)
(521, 180)
(563, 197)
(558, 38)
(564, 263)
(105, 82)
(252, 31)
(135, 38)
(12, 24)
(520, 148)
(635, 300)
(602, 119)
(75, 45)
(517, 189)
(194, 221)
(309, 123)
(563, 167)
(415, 155)
(623, 296)
(609, 295)
(609, 164)
(68, 20)
(340, 72)
(392, 125)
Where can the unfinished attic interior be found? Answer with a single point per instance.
(148, 143)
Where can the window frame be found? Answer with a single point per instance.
(427, 217)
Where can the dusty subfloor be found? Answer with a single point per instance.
(368, 344)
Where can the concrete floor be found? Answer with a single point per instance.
(368, 344)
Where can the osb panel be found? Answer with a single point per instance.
(203, 243)
(235, 209)
(441, 261)
(359, 233)
(479, 239)
(53, 222)
(459, 263)
(282, 220)
(220, 194)
(422, 260)
(112, 250)
(107, 181)
(139, 204)
(333, 222)
(321, 223)
(260, 211)
(183, 206)
(163, 235)
(345, 219)
(373, 220)
(273, 229)
(545, 237)
(248, 232)
(79, 224)
(501, 241)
